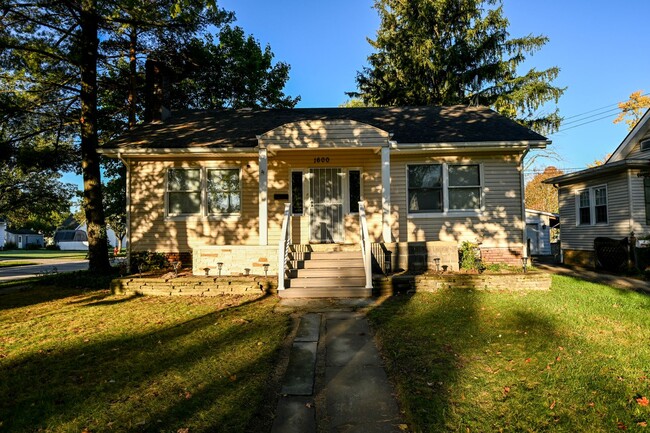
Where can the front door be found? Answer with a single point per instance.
(326, 207)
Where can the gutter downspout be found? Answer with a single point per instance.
(524, 249)
(128, 210)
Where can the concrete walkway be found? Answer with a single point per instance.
(335, 380)
(598, 277)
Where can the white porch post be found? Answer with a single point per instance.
(263, 196)
(385, 193)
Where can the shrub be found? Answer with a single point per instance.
(33, 247)
(53, 247)
(11, 246)
(148, 261)
(469, 256)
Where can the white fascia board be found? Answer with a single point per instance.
(114, 153)
(470, 145)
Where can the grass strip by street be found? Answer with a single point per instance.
(574, 359)
(76, 358)
(14, 263)
(42, 254)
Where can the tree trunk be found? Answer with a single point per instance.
(133, 83)
(92, 203)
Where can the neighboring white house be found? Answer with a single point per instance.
(77, 239)
(3, 235)
(24, 237)
(538, 231)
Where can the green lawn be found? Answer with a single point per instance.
(13, 263)
(74, 360)
(574, 359)
(42, 254)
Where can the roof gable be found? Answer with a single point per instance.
(640, 131)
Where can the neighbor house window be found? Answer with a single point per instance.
(224, 193)
(297, 193)
(183, 191)
(425, 188)
(584, 208)
(592, 206)
(354, 190)
(444, 187)
(464, 187)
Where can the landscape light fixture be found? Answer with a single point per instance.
(266, 269)
(219, 266)
(437, 262)
(524, 262)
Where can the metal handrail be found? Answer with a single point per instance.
(365, 245)
(283, 247)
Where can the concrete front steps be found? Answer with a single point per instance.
(334, 273)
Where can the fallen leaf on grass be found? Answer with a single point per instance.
(183, 430)
(233, 378)
(643, 401)
(621, 426)
(552, 406)
(403, 427)
(506, 390)
(528, 360)
(188, 395)
(642, 424)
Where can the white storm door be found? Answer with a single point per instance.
(326, 205)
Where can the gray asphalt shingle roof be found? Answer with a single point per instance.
(239, 128)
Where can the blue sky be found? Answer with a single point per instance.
(599, 46)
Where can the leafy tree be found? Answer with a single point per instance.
(446, 52)
(542, 196)
(598, 162)
(633, 109)
(34, 198)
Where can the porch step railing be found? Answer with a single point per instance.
(283, 247)
(365, 245)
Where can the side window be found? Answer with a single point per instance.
(600, 205)
(183, 191)
(584, 209)
(464, 187)
(425, 188)
(224, 191)
(297, 193)
(354, 190)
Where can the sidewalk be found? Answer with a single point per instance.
(597, 277)
(335, 380)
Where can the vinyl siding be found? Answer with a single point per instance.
(618, 212)
(324, 134)
(636, 152)
(151, 230)
(280, 166)
(498, 225)
(638, 204)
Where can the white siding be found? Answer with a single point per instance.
(638, 204)
(636, 152)
(618, 211)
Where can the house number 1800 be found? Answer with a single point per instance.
(322, 160)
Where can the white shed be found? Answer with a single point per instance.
(538, 231)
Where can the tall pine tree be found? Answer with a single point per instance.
(447, 52)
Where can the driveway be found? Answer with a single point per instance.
(41, 267)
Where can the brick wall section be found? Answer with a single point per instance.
(235, 259)
(194, 286)
(419, 256)
(430, 283)
(501, 255)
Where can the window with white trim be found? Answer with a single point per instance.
(183, 191)
(203, 191)
(592, 206)
(224, 194)
(444, 187)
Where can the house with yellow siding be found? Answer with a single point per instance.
(268, 191)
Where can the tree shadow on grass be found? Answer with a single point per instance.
(186, 375)
(432, 342)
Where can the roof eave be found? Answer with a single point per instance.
(622, 165)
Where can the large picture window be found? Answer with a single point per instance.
(201, 191)
(592, 206)
(183, 191)
(444, 187)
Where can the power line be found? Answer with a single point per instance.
(584, 123)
